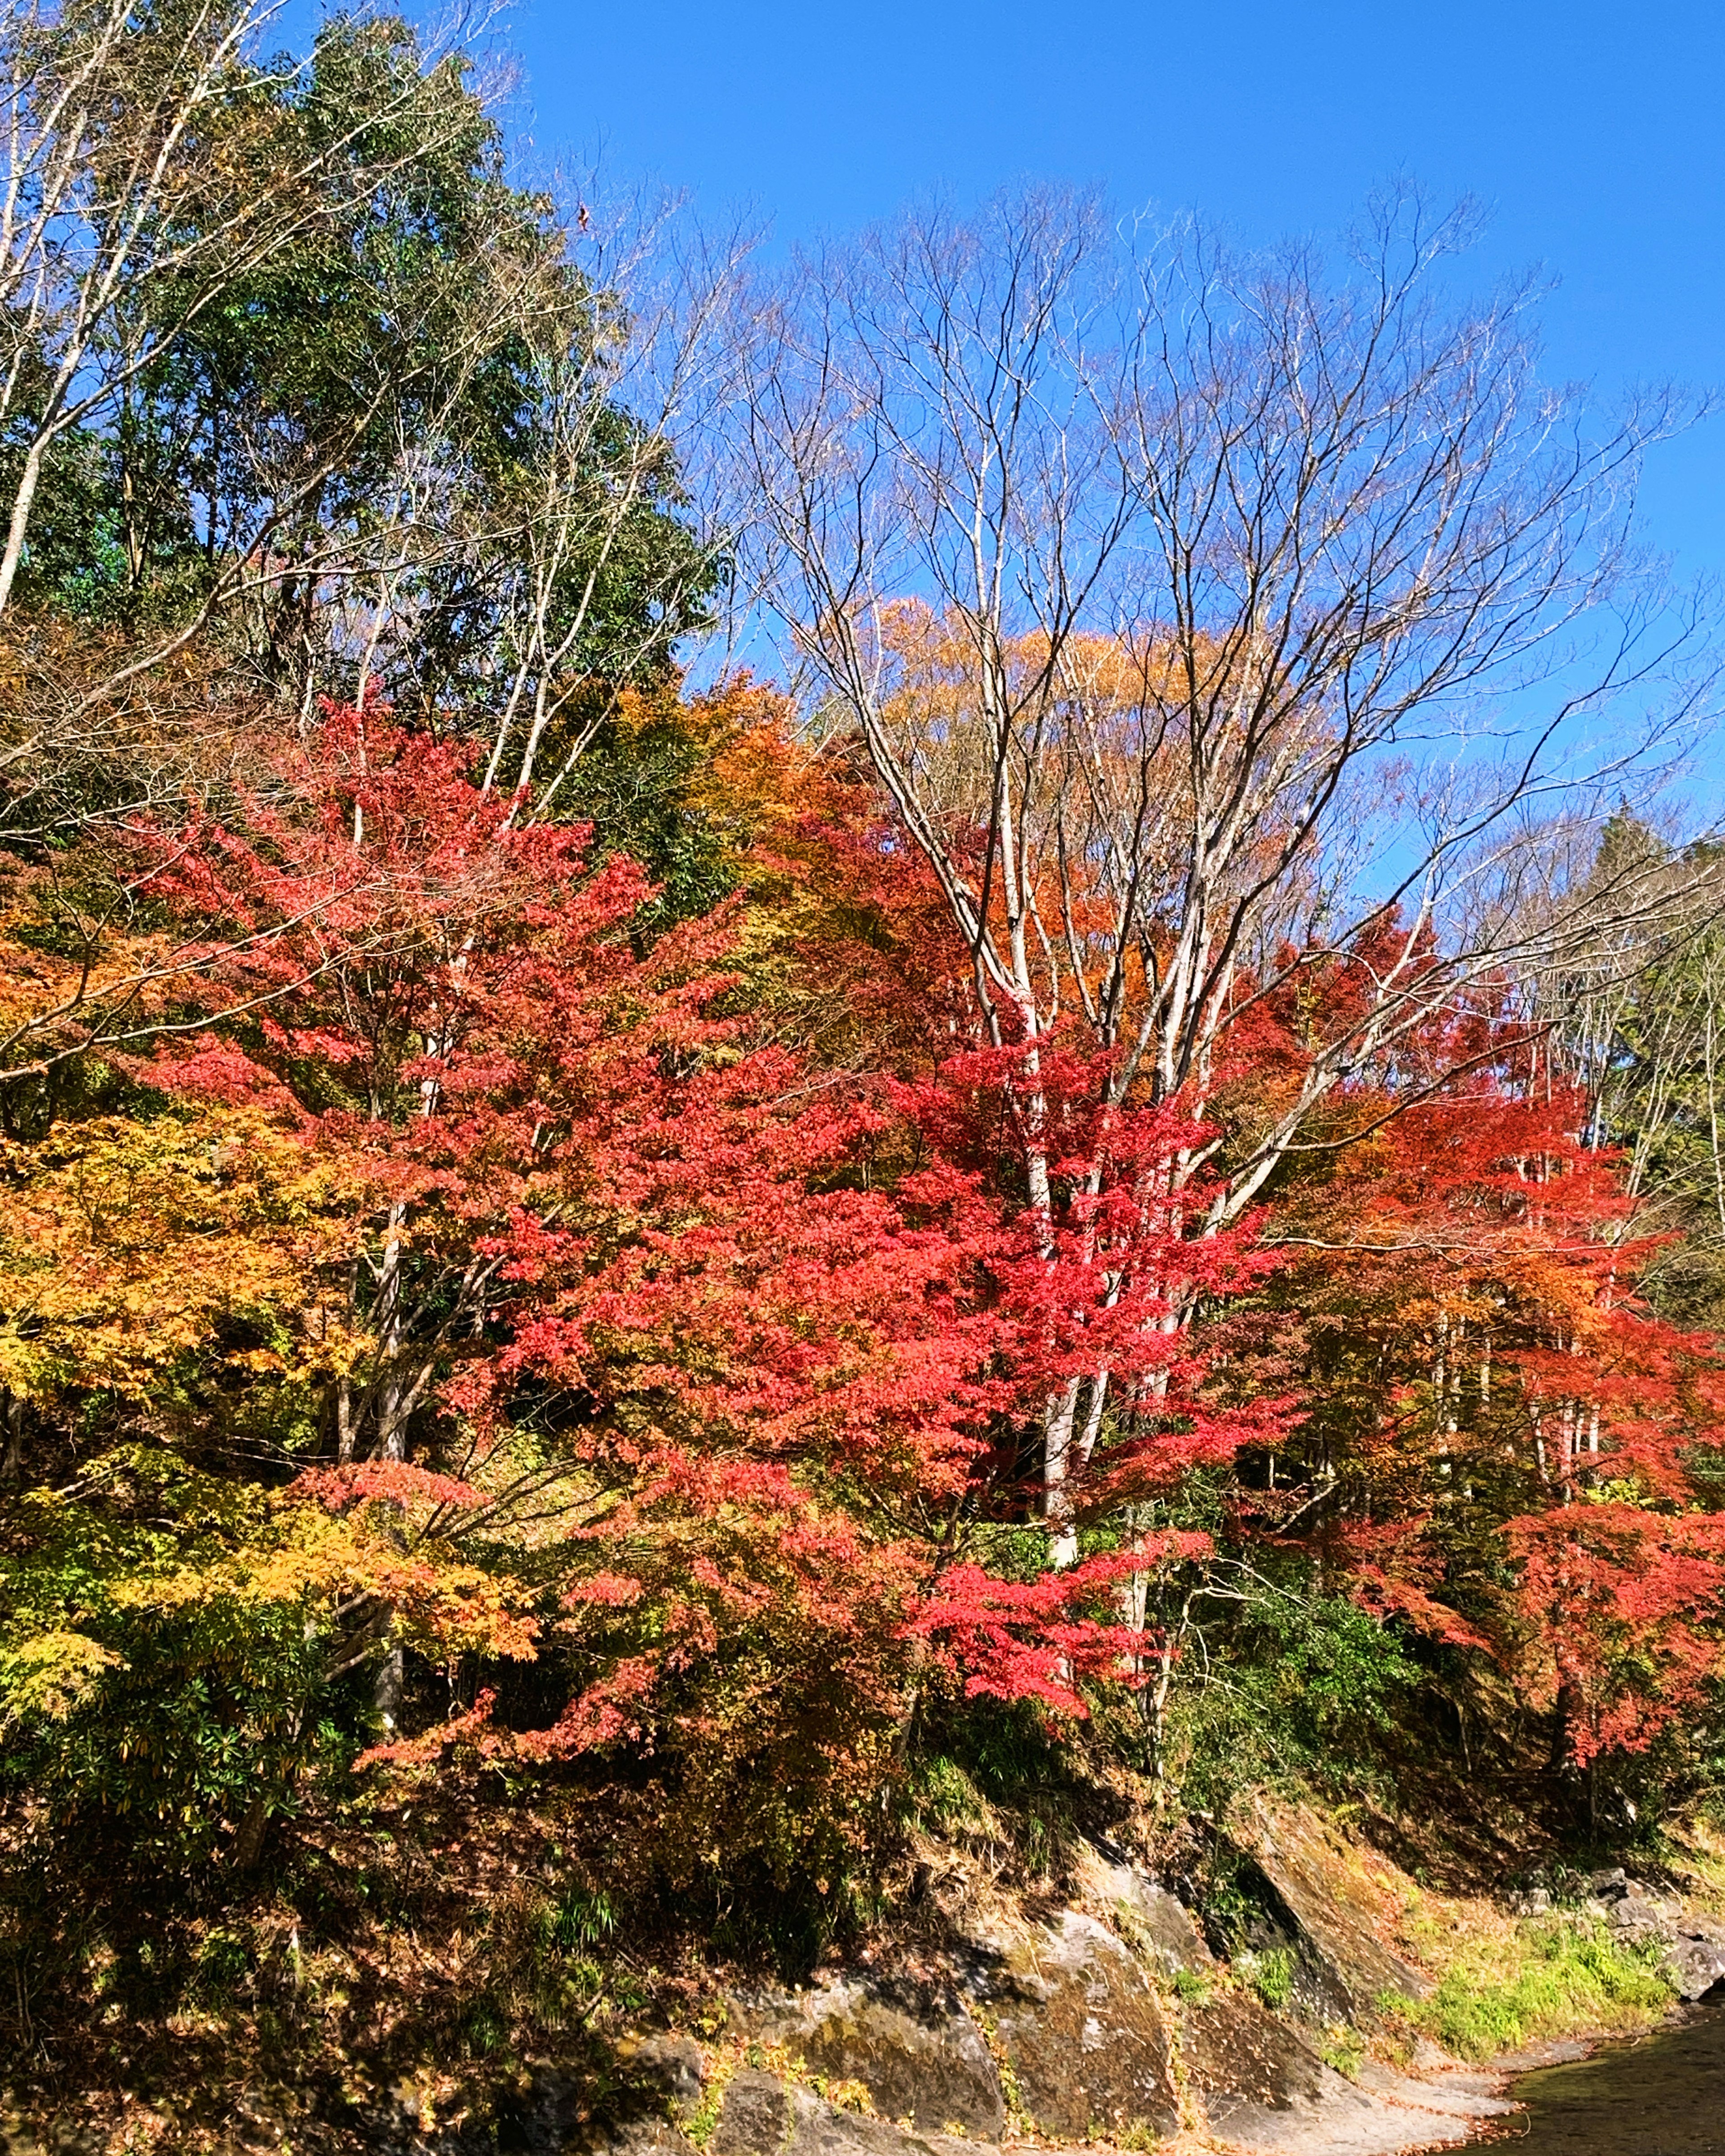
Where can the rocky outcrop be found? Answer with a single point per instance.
(912, 2045)
(1245, 2067)
(1157, 1925)
(1260, 2088)
(1092, 2023)
(1059, 2025)
(1113, 2019)
(756, 2118)
(1243, 2063)
(1690, 1950)
(670, 2066)
(1319, 1906)
(1078, 2025)
(1385, 2113)
(762, 2117)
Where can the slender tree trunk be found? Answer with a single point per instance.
(386, 1689)
(249, 1842)
(19, 522)
(1057, 1463)
(11, 1416)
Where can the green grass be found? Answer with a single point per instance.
(1270, 1975)
(1551, 1978)
(1344, 2048)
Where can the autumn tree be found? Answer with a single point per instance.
(1502, 1448)
(1148, 580)
(556, 1323)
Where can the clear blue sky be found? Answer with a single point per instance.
(1595, 133)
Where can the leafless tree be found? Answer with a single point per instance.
(1213, 623)
(627, 400)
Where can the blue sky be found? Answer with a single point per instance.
(1595, 134)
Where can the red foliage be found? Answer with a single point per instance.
(622, 1281)
(1490, 1399)
(1109, 1279)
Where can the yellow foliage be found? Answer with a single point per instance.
(125, 1244)
(51, 1674)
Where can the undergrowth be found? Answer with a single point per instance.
(1540, 1978)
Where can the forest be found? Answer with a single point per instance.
(802, 1052)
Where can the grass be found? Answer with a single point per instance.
(1270, 1975)
(1544, 1978)
(1191, 1987)
(1344, 2048)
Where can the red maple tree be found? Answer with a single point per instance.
(625, 1312)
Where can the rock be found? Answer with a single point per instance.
(1533, 1903)
(645, 2136)
(672, 2064)
(1081, 2028)
(1154, 1922)
(1694, 1960)
(1242, 2061)
(913, 2046)
(755, 2117)
(1341, 1969)
(1299, 2106)
(822, 2129)
(761, 2117)
(1069, 2008)
(1607, 1886)
(1165, 1925)
(1637, 1922)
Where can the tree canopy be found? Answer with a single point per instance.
(1055, 1187)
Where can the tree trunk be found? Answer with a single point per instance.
(19, 523)
(386, 1689)
(254, 1830)
(12, 1414)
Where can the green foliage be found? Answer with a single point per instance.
(484, 2027)
(1193, 1988)
(1270, 1971)
(1288, 1684)
(634, 783)
(578, 1920)
(223, 1962)
(1001, 1771)
(150, 1687)
(1557, 1978)
(76, 558)
(940, 1795)
(1342, 2048)
(1329, 1667)
(428, 308)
